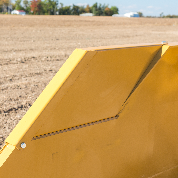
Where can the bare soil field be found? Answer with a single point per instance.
(33, 48)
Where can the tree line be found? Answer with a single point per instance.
(52, 7)
(160, 16)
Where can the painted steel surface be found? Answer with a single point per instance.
(108, 112)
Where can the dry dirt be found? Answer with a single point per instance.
(33, 48)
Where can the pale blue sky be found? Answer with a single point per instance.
(151, 7)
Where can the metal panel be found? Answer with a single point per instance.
(96, 89)
(114, 115)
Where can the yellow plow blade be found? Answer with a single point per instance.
(109, 112)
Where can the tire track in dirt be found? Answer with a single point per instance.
(15, 109)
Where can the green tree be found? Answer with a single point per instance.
(98, 10)
(13, 6)
(114, 10)
(75, 10)
(108, 11)
(140, 14)
(101, 9)
(64, 10)
(53, 6)
(50, 6)
(88, 9)
(18, 5)
(94, 9)
(67, 10)
(45, 7)
(41, 6)
(26, 5)
(81, 9)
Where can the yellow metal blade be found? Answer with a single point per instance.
(108, 112)
(96, 89)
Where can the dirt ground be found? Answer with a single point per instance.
(33, 48)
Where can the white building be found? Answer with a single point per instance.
(86, 14)
(131, 14)
(117, 15)
(18, 12)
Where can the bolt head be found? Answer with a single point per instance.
(23, 145)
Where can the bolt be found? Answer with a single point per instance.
(164, 42)
(23, 145)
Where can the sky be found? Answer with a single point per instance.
(148, 7)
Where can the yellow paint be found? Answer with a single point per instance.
(45, 97)
(164, 49)
(138, 82)
(5, 153)
(95, 90)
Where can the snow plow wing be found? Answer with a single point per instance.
(109, 112)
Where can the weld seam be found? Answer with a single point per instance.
(145, 73)
(75, 127)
